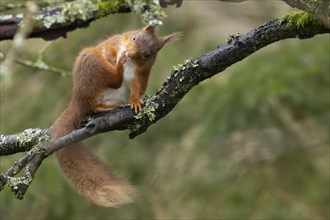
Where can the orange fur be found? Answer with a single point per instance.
(113, 73)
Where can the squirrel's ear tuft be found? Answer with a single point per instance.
(169, 38)
(150, 28)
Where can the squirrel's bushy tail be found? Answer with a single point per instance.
(91, 178)
(84, 170)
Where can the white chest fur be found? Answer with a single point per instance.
(120, 96)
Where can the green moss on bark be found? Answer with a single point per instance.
(300, 19)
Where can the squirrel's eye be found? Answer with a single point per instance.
(146, 56)
(133, 38)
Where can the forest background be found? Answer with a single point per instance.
(251, 142)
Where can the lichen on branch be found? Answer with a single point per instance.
(55, 22)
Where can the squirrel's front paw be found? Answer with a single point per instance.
(122, 59)
(136, 105)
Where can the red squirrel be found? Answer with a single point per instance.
(113, 73)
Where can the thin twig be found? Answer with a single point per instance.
(25, 28)
(41, 64)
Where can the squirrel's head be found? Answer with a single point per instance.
(143, 44)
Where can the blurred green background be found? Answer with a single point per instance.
(249, 143)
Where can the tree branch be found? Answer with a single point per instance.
(319, 8)
(183, 78)
(56, 22)
(53, 23)
(21, 142)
